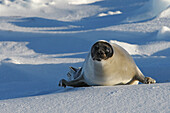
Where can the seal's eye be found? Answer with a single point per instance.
(107, 50)
(96, 47)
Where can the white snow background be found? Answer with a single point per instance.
(40, 39)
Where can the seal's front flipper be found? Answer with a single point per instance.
(149, 80)
(141, 78)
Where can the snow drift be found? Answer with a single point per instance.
(151, 9)
(64, 10)
(164, 33)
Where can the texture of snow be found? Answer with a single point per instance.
(110, 13)
(148, 49)
(64, 10)
(151, 9)
(79, 2)
(39, 40)
(164, 32)
(165, 13)
(141, 98)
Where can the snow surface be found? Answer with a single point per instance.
(39, 40)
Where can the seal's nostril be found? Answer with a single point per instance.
(100, 52)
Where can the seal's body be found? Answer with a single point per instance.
(107, 64)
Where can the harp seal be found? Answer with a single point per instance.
(107, 64)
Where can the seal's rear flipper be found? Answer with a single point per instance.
(79, 82)
(73, 73)
(73, 69)
(75, 78)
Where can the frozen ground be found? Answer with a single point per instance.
(39, 40)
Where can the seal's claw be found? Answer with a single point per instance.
(149, 80)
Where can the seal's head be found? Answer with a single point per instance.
(101, 50)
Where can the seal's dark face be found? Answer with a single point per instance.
(101, 51)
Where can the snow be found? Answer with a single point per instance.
(39, 40)
(110, 13)
(165, 13)
(51, 9)
(78, 2)
(143, 50)
(164, 32)
(151, 9)
(141, 98)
